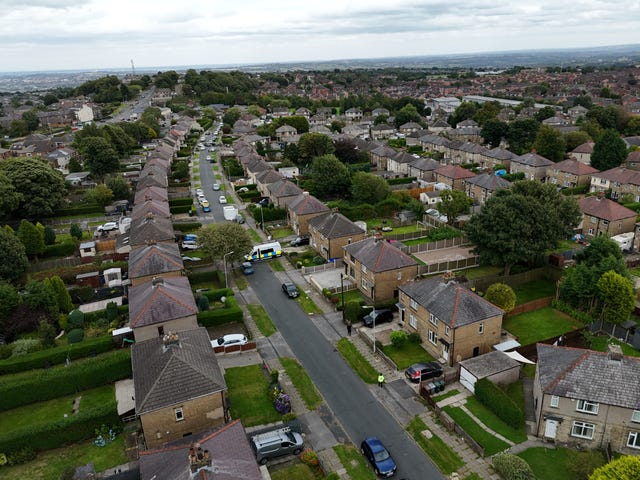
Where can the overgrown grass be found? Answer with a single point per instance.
(281, 232)
(540, 325)
(408, 354)
(248, 391)
(356, 361)
(561, 463)
(307, 304)
(448, 394)
(442, 455)
(276, 265)
(534, 290)
(601, 342)
(515, 392)
(516, 435)
(491, 444)
(482, 271)
(305, 387)
(240, 280)
(354, 463)
(255, 236)
(350, 296)
(528, 370)
(262, 320)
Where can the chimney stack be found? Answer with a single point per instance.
(615, 352)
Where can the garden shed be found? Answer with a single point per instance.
(496, 366)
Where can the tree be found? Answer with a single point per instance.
(101, 194)
(544, 113)
(521, 223)
(493, 131)
(13, 257)
(47, 333)
(329, 177)
(313, 145)
(346, 150)
(502, 296)
(75, 231)
(9, 197)
(31, 238)
(49, 99)
(291, 153)
(408, 113)
(219, 239)
(369, 188)
(31, 120)
(464, 111)
(626, 467)
(42, 189)
(18, 128)
(617, 296)
(49, 235)
(609, 151)
(575, 139)
(550, 143)
(63, 299)
(99, 156)
(9, 300)
(119, 187)
(521, 135)
(300, 123)
(40, 296)
(453, 204)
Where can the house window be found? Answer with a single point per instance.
(433, 338)
(413, 321)
(585, 406)
(447, 330)
(364, 269)
(590, 231)
(633, 440)
(593, 220)
(583, 430)
(433, 319)
(635, 416)
(399, 275)
(554, 401)
(413, 304)
(179, 414)
(364, 284)
(481, 328)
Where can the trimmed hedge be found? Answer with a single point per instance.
(79, 210)
(180, 209)
(216, 295)
(187, 226)
(205, 277)
(61, 431)
(512, 467)
(174, 202)
(95, 317)
(63, 249)
(400, 180)
(38, 386)
(231, 313)
(57, 355)
(496, 400)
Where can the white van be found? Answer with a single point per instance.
(264, 251)
(276, 443)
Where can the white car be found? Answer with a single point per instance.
(199, 191)
(222, 199)
(107, 227)
(190, 245)
(433, 212)
(186, 258)
(228, 340)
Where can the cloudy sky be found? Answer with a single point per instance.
(93, 34)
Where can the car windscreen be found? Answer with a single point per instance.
(381, 456)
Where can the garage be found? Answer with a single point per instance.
(496, 366)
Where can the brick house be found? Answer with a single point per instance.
(179, 387)
(583, 152)
(303, 208)
(588, 399)
(453, 322)
(533, 166)
(570, 173)
(481, 187)
(161, 259)
(282, 192)
(453, 175)
(601, 216)
(377, 268)
(330, 232)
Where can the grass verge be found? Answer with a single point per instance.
(442, 396)
(307, 304)
(354, 463)
(255, 236)
(491, 444)
(248, 391)
(305, 387)
(297, 471)
(276, 265)
(442, 455)
(356, 361)
(262, 319)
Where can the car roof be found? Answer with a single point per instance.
(375, 444)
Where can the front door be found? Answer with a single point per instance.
(550, 428)
(445, 352)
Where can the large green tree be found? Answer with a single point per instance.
(609, 151)
(313, 145)
(42, 189)
(9, 300)
(330, 177)
(493, 131)
(63, 298)
(369, 188)
(408, 113)
(626, 467)
(31, 238)
(39, 295)
(101, 194)
(453, 204)
(521, 223)
(617, 297)
(550, 143)
(522, 134)
(220, 239)
(99, 156)
(575, 139)
(9, 197)
(13, 257)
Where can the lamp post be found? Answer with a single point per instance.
(224, 261)
(342, 294)
(262, 218)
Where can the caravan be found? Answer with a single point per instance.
(264, 251)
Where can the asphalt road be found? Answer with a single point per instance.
(359, 413)
(207, 179)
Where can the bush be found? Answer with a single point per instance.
(203, 303)
(216, 295)
(75, 336)
(80, 210)
(496, 400)
(414, 337)
(512, 467)
(64, 249)
(401, 180)
(24, 346)
(76, 319)
(20, 456)
(398, 338)
(181, 209)
(502, 296)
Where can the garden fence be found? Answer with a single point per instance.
(449, 266)
(53, 263)
(517, 279)
(437, 245)
(321, 268)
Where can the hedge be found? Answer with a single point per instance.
(205, 277)
(63, 249)
(512, 467)
(38, 386)
(95, 317)
(180, 209)
(400, 180)
(230, 313)
(496, 400)
(180, 201)
(61, 431)
(79, 210)
(56, 355)
(216, 295)
(187, 226)
(251, 186)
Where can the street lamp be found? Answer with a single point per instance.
(342, 293)
(224, 261)
(262, 217)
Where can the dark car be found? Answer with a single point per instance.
(378, 316)
(247, 268)
(378, 456)
(423, 371)
(290, 289)
(299, 241)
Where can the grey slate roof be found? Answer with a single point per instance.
(379, 255)
(165, 376)
(150, 228)
(305, 204)
(151, 193)
(155, 259)
(156, 208)
(589, 375)
(489, 364)
(156, 302)
(334, 225)
(284, 188)
(533, 160)
(452, 303)
(489, 181)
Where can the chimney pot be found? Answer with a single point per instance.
(615, 352)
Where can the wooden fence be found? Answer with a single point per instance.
(530, 306)
(448, 266)
(515, 280)
(437, 245)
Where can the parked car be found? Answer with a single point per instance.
(378, 456)
(242, 190)
(419, 372)
(239, 219)
(290, 290)
(433, 212)
(107, 227)
(222, 199)
(230, 339)
(378, 316)
(264, 202)
(276, 443)
(199, 191)
(216, 186)
(299, 241)
(186, 258)
(190, 245)
(247, 268)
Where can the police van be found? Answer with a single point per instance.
(264, 251)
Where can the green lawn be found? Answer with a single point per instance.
(287, 471)
(350, 296)
(516, 435)
(482, 271)
(248, 391)
(307, 304)
(356, 361)
(262, 319)
(600, 343)
(282, 232)
(447, 460)
(416, 241)
(255, 236)
(305, 387)
(354, 463)
(515, 391)
(442, 396)
(491, 444)
(408, 354)
(534, 290)
(561, 463)
(539, 325)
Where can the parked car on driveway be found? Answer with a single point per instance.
(290, 289)
(377, 316)
(299, 241)
(378, 456)
(419, 372)
(230, 339)
(107, 227)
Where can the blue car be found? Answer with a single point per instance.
(378, 456)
